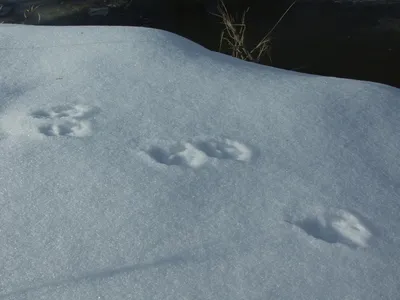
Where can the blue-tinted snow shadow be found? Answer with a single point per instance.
(197, 255)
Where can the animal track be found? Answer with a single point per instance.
(196, 154)
(337, 227)
(67, 128)
(63, 111)
(65, 120)
(184, 154)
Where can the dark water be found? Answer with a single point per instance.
(351, 41)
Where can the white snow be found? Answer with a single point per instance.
(135, 164)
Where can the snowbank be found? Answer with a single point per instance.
(135, 164)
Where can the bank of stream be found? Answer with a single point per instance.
(342, 40)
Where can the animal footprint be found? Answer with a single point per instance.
(64, 120)
(196, 154)
(68, 128)
(62, 111)
(225, 149)
(337, 227)
(184, 154)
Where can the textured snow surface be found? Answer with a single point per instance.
(135, 164)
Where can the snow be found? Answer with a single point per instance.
(135, 164)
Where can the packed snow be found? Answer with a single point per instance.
(135, 164)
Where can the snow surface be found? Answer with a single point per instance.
(135, 164)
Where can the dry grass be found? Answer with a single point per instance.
(125, 4)
(29, 12)
(233, 35)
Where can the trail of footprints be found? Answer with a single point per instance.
(74, 121)
(65, 120)
(334, 226)
(196, 154)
